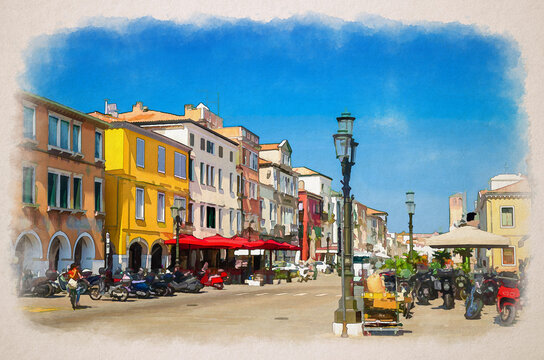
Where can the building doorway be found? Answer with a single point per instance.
(84, 253)
(135, 257)
(156, 257)
(59, 255)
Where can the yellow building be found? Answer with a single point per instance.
(505, 211)
(145, 172)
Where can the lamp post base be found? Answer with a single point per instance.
(355, 329)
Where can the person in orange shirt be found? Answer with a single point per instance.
(74, 274)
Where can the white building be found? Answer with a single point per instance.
(279, 196)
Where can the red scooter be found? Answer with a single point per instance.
(508, 299)
(217, 280)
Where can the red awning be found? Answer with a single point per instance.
(187, 240)
(218, 241)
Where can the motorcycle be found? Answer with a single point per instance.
(508, 298)
(475, 302)
(35, 286)
(106, 286)
(182, 282)
(445, 284)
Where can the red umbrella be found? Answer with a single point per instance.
(186, 241)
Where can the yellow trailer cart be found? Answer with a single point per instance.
(382, 311)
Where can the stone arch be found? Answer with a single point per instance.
(28, 250)
(137, 253)
(84, 251)
(59, 251)
(158, 254)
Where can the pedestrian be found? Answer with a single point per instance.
(74, 274)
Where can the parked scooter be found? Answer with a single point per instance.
(35, 286)
(106, 286)
(445, 284)
(490, 288)
(424, 287)
(134, 284)
(475, 302)
(212, 280)
(158, 287)
(508, 298)
(462, 283)
(60, 283)
(182, 282)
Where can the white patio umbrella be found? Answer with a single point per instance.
(468, 237)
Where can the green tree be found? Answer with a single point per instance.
(441, 256)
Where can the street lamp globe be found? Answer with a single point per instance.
(177, 208)
(410, 204)
(345, 123)
(343, 146)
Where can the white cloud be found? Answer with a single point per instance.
(392, 124)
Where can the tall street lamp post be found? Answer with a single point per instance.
(345, 146)
(411, 207)
(177, 214)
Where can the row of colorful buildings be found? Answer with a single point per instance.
(88, 177)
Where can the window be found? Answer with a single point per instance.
(77, 193)
(220, 179)
(220, 219)
(202, 144)
(161, 159)
(230, 182)
(202, 173)
(180, 165)
(139, 203)
(98, 145)
(210, 147)
(210, 217)
(140, 152)
(65, 134)
(220, 151)
(208, 175)
(254, 161)
(28, 185)
(231, 156)
(53, 133)
(509, 256)
(98, 207)
(212, 176)
(191, 174)
(76, 138)
(231, 217)
(202, 216)
(507, 216)
(29, 122)
(252, 190)
(261, 204)
(160, 207)
(245, 156)
(58, 190)
(238, 222)
(192, 139)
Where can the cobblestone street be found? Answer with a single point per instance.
(284, 311)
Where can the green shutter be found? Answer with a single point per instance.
(28, 175)
(52, 189)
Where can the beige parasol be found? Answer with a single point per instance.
(468, 237)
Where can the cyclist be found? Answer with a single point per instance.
(73, 290)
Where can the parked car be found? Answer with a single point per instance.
(321, 266)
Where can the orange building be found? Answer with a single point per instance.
(60, 219)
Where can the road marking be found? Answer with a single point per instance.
(261, 294)
(38, 309)
(241, 294)
(281, 294)
(321, 294)
(301, 294)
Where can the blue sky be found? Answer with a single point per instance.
(436, 106)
